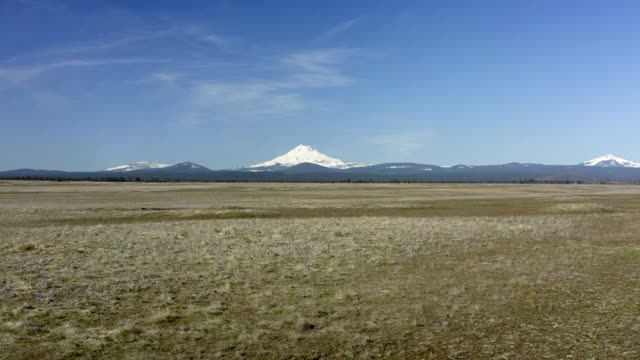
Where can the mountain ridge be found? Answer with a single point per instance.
(306, 164)
(304, 154)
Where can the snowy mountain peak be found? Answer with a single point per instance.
(610, 160)
(304, 154)
(138, 165)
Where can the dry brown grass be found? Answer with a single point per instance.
(581, 208)
(382, 273)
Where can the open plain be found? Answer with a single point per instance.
(208, 270)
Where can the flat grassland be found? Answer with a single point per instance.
(126, 270)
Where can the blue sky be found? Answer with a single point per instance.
(85, 85)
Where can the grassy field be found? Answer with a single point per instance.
(460, 271)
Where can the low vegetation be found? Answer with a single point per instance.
(319, 271)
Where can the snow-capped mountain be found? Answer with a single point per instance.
(304, 163)
(304, 154)
(611, 161)
(138, 165)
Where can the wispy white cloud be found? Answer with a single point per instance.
(400, 143)
(218, 40)
(322, 60)
(278, 85)
(225, 93)
(19, 75)
(242, 99)
(165, 77)
(108, 45)
(224, 42)
(317, 80)
(99, 62)
(178, 33)
(319, 68)
(340, 28)
(280, 95)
